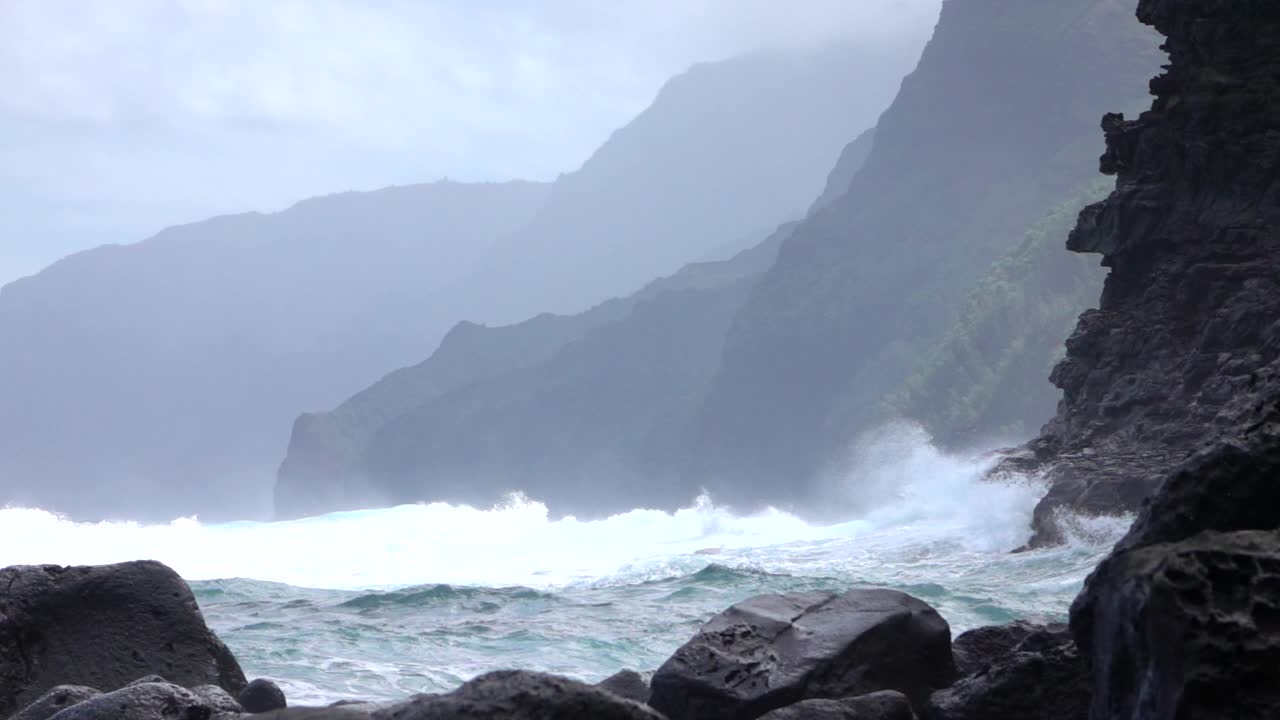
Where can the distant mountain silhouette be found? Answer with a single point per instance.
(936, 242)
(161, 378)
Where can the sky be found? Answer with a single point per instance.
(121, 117)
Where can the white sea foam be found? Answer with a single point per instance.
(924, 511)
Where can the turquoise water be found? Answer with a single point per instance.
(380, 604)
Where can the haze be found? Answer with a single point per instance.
(127, 117)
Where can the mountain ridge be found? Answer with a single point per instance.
(169, 371)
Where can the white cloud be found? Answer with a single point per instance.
(128, 115)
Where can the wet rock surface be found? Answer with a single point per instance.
(1183, 618)
(103, 627)
(261, 696)
(977, 649)
(357, 711)
(1040, 676)
(519, 695)
(775, 650)
(144, 701)
(1188, 629)
(885, 705)
(218, 700)
(628, 684)
(56, 700)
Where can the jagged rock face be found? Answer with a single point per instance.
(987, 134)
(1234, 485)
(103, 627)
(1183, 619)
(1188, 629)
(1190, 314)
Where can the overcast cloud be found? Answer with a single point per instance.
(120, 117)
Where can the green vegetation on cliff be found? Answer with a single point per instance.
(986, 379)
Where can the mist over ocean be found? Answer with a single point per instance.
(384, 603)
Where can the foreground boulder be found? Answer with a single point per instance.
(262, 696)
(102, 627)
(628, 684)
(977, 649)
(55, 701)
(520, 695)
(143, 701)
(884, 705)
(355, 711)
(1041, 676)
(776, 650)
(219, 700)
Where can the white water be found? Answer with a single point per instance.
(624, 591)
(921, 499)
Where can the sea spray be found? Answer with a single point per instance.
(384, 603)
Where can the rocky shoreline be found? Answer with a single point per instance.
(128, 641)
(1182, 620)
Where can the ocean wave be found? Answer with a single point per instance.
(913, 503)
(386, 603)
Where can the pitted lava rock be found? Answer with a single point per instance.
(1187, 629)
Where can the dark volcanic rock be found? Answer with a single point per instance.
(55, 701)
(884, 705)
(261, 696)
(1183, 618)
(147, 701)
(812, 710)
(976, 649)
(1234, 485)
(776, 650)
(218, 700)
(356, 711)
(628, 684)
(518, 695)
(1189, 629)
(1188, 329)
(1041, 676)
(103, 627)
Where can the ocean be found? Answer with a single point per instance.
(380, 604)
